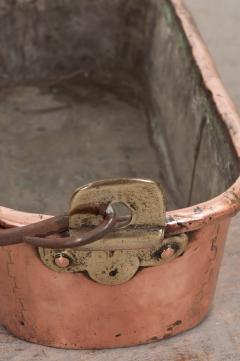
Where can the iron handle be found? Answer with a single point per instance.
(36, 233)
(136, 211)
(43, 228)
(109, 221)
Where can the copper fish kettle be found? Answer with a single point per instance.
(130, 261)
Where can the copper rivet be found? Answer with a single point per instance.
(62, 261)
(167, 253)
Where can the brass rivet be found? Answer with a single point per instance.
(62, 261)
(168, 253)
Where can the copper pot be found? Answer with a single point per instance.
(55, 294)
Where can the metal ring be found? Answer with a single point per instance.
(35, 233)
(100, 231)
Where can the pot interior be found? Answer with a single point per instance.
(104, 89)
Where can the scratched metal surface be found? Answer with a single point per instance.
(218, 337)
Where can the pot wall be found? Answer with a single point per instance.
(71, 311)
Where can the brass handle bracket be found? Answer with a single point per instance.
(113, 228)
(133, 237)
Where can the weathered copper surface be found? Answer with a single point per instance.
(125, 315)
(48, 311)
(215, 339)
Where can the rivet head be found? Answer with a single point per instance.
(62, 261)
(168, 253)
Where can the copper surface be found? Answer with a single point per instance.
(158, 302)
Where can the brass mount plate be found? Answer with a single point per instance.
(116, 258)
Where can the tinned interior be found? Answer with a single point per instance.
(104, 89)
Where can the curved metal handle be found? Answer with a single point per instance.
(35, 233)
(44, 228)
(85, 238)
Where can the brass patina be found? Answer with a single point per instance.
(115, 258)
